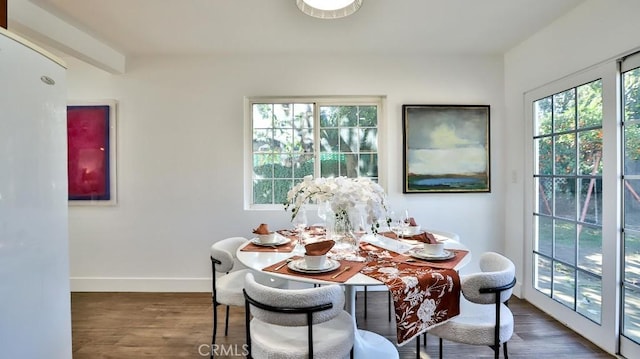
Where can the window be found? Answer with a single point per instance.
(568, 210)
(324, 137)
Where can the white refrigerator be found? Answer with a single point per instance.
(35, 318)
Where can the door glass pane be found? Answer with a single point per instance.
(590, 200)
(590, 249)
(632, 204)
(542, 116)
(632, 257)
(545, 196)
(590, 161)
(564, 279)
(545, 155)
(632, 148)
(564, 111)
(542, 277)
(590, 104)
(589, 301)
(565, 198)
(565, 154)
(565, 241)
(631, 317)
(545, 235)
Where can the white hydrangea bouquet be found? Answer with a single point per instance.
(343, 194)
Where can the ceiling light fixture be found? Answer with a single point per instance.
(329, 9)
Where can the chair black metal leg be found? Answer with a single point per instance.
(440, 348)
(424, 337)
(215, 328)
(226, 322)
(506, 354)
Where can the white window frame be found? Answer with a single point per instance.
(379, 101)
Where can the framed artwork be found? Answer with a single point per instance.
(91, 142)
(446, 148)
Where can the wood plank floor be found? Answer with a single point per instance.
(178, 325)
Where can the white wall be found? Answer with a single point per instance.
(180, 156)
(594, 32)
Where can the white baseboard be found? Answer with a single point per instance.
(115, 284)
(118, 284)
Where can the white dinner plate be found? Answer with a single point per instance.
(300, 265)
(278, 241)
(419, 253)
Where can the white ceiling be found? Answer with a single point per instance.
(136, 27)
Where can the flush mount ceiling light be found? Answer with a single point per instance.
(329, 9)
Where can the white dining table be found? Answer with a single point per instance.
(367, 344)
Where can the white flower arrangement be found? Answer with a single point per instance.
(343, 194)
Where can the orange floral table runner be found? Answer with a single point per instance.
(423, 296)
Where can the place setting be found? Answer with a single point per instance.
(268, 241)
(432, 254)
(317, 264)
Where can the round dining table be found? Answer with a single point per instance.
(367, 344)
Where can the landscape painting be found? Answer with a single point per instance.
(446, 148)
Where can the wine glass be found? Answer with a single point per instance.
(359, 230)
(397, 227)
(300, 224)
(406, 222)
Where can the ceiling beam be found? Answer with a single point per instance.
(46, 29)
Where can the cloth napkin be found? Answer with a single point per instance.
(319, 248)
(425, 237)
(263, 228)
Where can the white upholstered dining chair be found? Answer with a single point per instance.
(227, 279)
(297, 323)
(485, 318)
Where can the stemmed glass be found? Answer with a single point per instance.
(397, 227)
(406, 219)
(359, 230)
(300, 224)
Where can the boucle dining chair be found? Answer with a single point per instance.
(297, 323)
(227, 278)
(485, 318)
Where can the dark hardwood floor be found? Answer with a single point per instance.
(178, 325)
